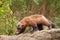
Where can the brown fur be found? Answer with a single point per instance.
(35, 21)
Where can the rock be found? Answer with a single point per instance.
(53, 34)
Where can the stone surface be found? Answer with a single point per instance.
(53, 34)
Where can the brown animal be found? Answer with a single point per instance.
(34, 21)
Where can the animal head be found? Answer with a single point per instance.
(20, 28)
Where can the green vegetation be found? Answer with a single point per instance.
(7, 20)
(11, 11)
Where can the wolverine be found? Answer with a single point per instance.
(34, 21)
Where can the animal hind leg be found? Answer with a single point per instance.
(40, 27)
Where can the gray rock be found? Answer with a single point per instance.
(53, 34)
